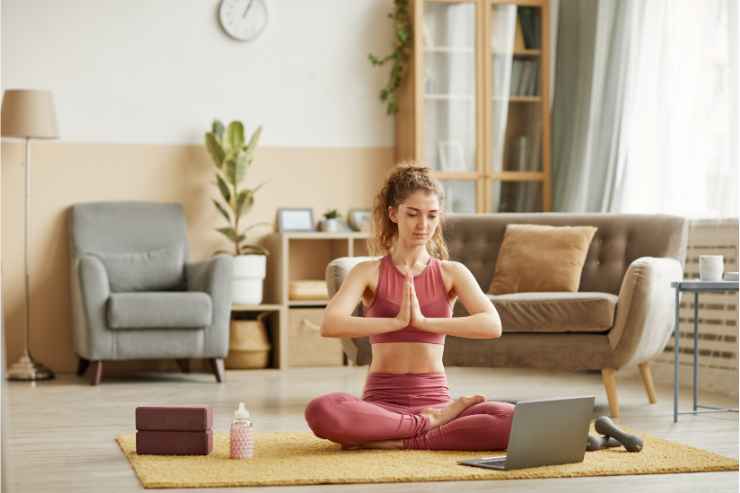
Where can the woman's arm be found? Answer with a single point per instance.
(484, 321)
(338, 320)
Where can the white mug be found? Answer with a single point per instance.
(711, 267)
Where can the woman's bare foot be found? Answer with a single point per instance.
(438, 417)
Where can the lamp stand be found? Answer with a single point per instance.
(26, 368)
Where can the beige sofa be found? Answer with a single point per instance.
(621, 316)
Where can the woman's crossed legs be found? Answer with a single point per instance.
(467, 423)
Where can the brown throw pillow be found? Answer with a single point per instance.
(535, 257)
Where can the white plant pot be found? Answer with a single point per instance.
(249, 275)
(329, 225)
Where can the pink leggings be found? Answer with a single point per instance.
(389, 410)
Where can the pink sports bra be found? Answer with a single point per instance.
(430, 290)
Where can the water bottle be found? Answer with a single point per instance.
(241, 436)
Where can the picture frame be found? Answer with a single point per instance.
(295, 219)
(451, 155)
(359, 219)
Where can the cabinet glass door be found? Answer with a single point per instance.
(515, 113)
(449, 86)
(459, 195)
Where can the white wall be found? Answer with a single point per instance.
(159, 71)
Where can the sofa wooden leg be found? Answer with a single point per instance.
(96, 375)
(608, 376)
(184, 365)
(217, 366)
(647, 381)
(82, 366)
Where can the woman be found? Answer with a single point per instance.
(408, 297)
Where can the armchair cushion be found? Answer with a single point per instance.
(556, 311)
(181, 310)
(155, 270)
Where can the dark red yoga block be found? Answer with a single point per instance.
(174, 442)
(174, 418)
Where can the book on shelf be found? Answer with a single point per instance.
(524, 78)
(529, 19)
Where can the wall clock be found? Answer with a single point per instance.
(243, 19)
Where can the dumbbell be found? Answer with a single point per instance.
(605, 426)
(600, 442)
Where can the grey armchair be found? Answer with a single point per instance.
(134, 294)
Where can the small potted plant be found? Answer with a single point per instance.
(330, 223)
(232, 158)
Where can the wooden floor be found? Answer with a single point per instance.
(61, 433)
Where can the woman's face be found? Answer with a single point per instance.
(417, 217)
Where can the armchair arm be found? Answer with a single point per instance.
(90, 292)
(214, 277)
(645, 310)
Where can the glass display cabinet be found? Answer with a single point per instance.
(475, 104)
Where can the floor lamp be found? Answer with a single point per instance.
(28, 114)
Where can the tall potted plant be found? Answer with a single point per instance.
(232, 157)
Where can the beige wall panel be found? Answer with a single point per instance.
(67, 173)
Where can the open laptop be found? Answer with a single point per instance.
(544, 432)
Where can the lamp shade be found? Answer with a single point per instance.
(28, 113)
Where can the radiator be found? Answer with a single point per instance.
(718, 316)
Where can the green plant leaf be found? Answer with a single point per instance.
(254, 139)
(218, 130)
(215, 150)
(242, 162)
(221, 209)
(247, 156)
(235, 135)
(403, 37)
(221, 252)
(253, 249)
(244, 201)
(230, 172)
(228, 233)
(224, 189)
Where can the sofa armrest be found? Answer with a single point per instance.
(214, 276)
(645, 310)
(90, 293)
(357, 349)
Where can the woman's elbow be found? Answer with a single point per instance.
(495, 329)
(328, 326)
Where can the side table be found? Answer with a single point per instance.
(695, 287)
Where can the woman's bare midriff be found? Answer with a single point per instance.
(404, 357)
(407, 357)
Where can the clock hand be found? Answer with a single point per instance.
(247, 9)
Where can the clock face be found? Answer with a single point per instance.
(243, 19)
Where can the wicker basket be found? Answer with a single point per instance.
(249, 344)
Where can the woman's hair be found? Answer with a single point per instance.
(402, 181)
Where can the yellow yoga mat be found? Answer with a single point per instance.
(301, 458)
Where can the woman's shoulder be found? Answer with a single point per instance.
(367, 267)
(454, 270)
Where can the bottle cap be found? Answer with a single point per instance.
(242, 412)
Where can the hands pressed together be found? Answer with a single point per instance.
(410, 312)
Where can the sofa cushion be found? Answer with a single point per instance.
(536, 258)
(556, 311)
(155, 270)
(182, 310)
